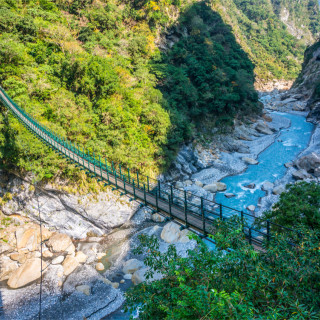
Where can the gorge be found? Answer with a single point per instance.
(166, 87)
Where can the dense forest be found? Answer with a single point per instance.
(132, 80)
(234, 281)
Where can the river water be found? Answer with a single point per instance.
(286, 148)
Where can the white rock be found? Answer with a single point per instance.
(84, 289)
(278, 190)
(132, 266)
(60, 242)
(57, 260)
(69, 265)
(179, 185)
(250, 161)
(184, 236)
(115, 285)
(139, 276)
(211, 187)
(251, 208)
(127, 276)
(99, 266)
(100, 255)
(7, 266)
(267, 186)
(158, 217)
(170, 232)
(28, 272)
(81, 257)
(122, 281)
(199, 184)
(27, 238)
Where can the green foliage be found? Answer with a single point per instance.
(299, 205)
(280, 283)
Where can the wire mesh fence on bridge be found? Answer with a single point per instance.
(194, 211)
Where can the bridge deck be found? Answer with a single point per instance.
(199, 220)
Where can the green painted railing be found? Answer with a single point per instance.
(188, 209)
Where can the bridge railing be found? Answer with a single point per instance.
(256, 229)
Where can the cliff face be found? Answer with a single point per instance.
(307, 85)
(300, 17)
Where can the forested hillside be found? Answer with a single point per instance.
(132, 80)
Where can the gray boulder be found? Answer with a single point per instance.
(300, 175)
(267, 186)
(309, 162)
(263, 128)
(278, 190)
(250, 161)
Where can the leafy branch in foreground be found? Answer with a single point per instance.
(280, 283)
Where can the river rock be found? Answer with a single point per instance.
(61, 242)
(309, 162)
(229, 195)
(139, 276)
(211, 188)
(278, 190)
(69, 265)
(27, 273)
(250, 186)
(27, 238)
(58, 260)
(179, 185)
(156, 217)
(263, 128)
(127, 276)
(132, 266)
(85, 289)
(288, 164)
(5, 247)
(115, 285)
(300, 175)
(99, 266)
(184, 236)
(81, 257)
(170, 232)
(7, 267)
(199, 184)
(251, 208)
(122, 281)
(267, 186)
(20, 257)
(250, 161)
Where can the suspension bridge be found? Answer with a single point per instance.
(187, 209)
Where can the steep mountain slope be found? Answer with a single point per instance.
(307, 85)
(132, 80)
(300, 17)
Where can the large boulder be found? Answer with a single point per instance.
(5, 247)
(170, 232)
(250, 161)
(309, 162)
(278, 190)
(300, 175)
(28, 238)
(27, 273)
(211, 188)
(267, 186)
(131, 266)
(140, 276)
(7, 266)
(69, 265)
(263, 128)
(60, 242)
(216, 186)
